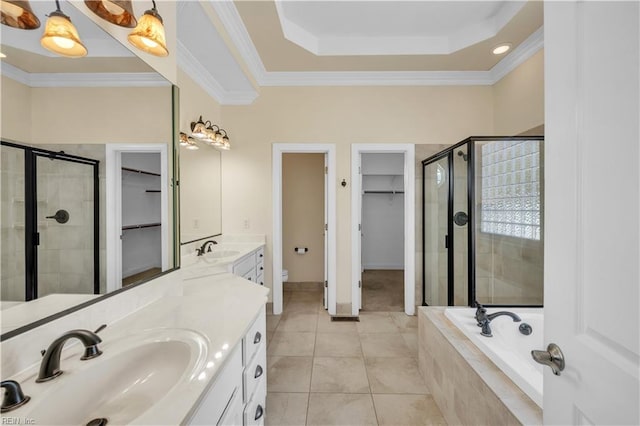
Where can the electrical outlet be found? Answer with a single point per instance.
(246, 224)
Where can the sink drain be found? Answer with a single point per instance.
(98, 422)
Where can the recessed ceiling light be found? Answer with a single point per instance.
(501, 48)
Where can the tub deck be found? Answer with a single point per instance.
(467, 386)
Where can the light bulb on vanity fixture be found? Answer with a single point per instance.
(210, 133)
(61, 37)
(148, 35)
(187, 141)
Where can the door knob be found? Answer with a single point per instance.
(552, 357)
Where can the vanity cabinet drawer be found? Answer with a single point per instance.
(255, 337)
(251, 275)
(220, 396)
(260, 255)
(234, 414)
(254, 412)
(260, 279)
(244, 265)
(255, 372)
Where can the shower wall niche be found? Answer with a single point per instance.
(483, 223)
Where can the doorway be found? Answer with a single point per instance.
(329, 233)
(383, 241)
(303, 226)
(137, 226)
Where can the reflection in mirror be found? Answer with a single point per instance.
(70, 129)
(200, 192)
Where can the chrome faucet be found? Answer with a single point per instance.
(200, 251)
(484, 319)
(50, 366)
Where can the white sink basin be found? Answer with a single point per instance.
(217, 254)
(126, 381)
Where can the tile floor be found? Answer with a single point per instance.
(344, 373)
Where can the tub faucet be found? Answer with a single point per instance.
(13, 396)
(484, 320)
(50, 366)
(200, 251)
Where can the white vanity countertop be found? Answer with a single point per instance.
(206, 260)
(220, 308)
(27, 312)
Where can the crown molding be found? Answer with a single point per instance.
(83, 79)
(378, 78)
(230, 17)
(190, 65)
(239, 35)
(520, 54)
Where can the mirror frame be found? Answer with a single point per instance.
(175, 184)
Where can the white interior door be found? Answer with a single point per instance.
(592, 210)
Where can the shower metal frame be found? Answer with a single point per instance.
(32, 237)
(448, 153)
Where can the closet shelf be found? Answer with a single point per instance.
(141, 226)
(152, 190)
(144, 172)
(384, 192)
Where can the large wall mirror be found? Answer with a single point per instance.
(200, 193)
(86, 172)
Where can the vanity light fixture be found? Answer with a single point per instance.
(187, 141)
(61, 37)
(199, 128)
(148, 35)
(501, 48)
(2, 55)
(18, 14)
(115, 11)
(210, 133)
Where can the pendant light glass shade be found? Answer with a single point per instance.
(61, 37)
(18, 14)
(117, 12)
(187, 141)
(148, 35)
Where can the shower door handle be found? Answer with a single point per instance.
(446, 241)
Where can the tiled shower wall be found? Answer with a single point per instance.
(12, 224)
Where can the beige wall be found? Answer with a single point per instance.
(303, 216)
(83, 115)
(15, 111)
(341, 116)
(518, 99)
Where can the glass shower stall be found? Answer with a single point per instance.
(482, 217)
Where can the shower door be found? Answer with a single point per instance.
(436, 232)
(65, 220)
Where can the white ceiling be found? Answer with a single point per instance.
(392, 27)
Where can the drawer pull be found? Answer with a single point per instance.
(259, 412)
(259, 372)
(257, 339)
(261, 255)
(261, 268)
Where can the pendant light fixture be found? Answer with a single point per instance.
(115, 11)
(148, 35)
(18, 14)
(61, 37)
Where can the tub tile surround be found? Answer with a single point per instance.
(466, 385)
